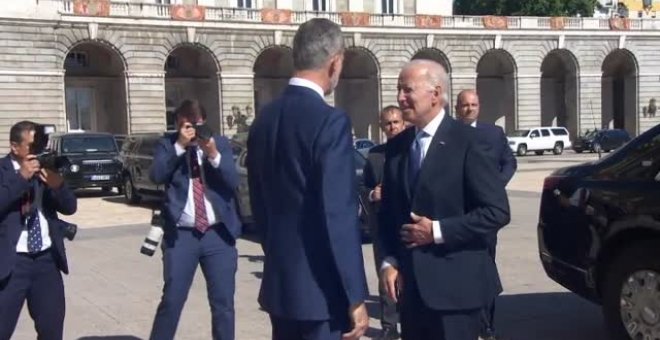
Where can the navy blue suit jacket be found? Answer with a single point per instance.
(221, 183)
(12, 188)
(455, 187)
(301, 175)
(496, 146)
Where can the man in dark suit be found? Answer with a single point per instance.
(301, 174)
(31, 238)
(439, 206)
(495, 144)
(200, 221)
(391, 123)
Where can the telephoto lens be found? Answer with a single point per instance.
(154, 236)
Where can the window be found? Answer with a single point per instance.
(387, 6)
(244, 3)
(320, 5)
(76, 60)
(535, 133)
(545, 133)
(88, 144)
(559, 132)
(641, 162)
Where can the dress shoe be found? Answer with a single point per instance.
(389, 333)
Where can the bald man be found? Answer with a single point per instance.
(495, 144)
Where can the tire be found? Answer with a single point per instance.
(539, 152)
(129, 191)
(635, 263)
(558, 149)
(522, 150)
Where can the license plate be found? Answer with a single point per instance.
(100, 177)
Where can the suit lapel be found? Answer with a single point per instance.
(404, 168)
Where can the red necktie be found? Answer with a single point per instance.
(201, 220)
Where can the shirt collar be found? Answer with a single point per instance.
(15, 164)
(295, 81)
(473, 124)
(433, 125)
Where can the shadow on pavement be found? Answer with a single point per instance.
(110, 337)
(548, 316)
(82, 193)
(144, 203)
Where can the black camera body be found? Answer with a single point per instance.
(203, 131)
(69, 230)
(47, 158)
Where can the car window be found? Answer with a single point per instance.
(559, 132)
(545, 133)
(519, 133)
(534, 133)
(88, 144)
(641, 162)
(147, 146)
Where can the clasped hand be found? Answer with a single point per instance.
(418, 233)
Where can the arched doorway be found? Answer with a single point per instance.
(619, 91)
(440, 58)
(272, 71)
(358, 93)
(191, 72)
(496, 85)
(559, 91)
(95, 89)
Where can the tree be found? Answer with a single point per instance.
(525, 8)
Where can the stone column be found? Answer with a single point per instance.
(236, 92)
(590, 102)
(145, 93)
(528, 90)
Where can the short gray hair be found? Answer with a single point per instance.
(316, 41)
(435, 74)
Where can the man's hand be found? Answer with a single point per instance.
(52, 179)
(29, 166)
(377, 193)
(418, 233)
(392, 281)
(186, 134)
(359, 319)
(209, 148)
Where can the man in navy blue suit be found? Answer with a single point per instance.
(301, 174)
(32, 251)
(495, 144)
(439, 207)
(200, 221)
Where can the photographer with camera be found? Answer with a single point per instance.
(32, 237)
(200, 221)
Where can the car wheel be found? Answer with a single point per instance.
(558, 149)
(539, 152)
(129, 191)
(631, 294)
(522, 150)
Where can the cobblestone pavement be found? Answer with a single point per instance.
(113, 291)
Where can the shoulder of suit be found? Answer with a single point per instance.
(378, 149)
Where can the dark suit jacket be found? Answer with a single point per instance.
(221, 183)
(496, 146)
(12, 188)
(372, 175)
(455, 187)
(301, 174)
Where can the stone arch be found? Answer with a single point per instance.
(560, 90)
(620, 93)
(496, 85)
(358, 92)
(192, 72)
(95, 87)
(442, 59)
(272, 70)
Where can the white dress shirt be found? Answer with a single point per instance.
(22, 245)
(424, 139)
(308, 84)
(187, 218)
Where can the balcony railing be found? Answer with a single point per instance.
(218, 14)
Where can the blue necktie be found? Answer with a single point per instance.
(34, 233)
(416, 157)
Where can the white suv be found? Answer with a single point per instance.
(539, 140)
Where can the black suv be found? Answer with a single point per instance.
(94, 159)
(599, 234)
(601, 140)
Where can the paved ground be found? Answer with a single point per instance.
(113, 291)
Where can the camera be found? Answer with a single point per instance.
(203, 131)
(69, 230)
(47, 158)
(154, 236)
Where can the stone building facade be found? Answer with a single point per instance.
(122, 67)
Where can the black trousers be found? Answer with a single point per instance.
(286, 329)
(488, 313)
(37, 279)
(389, 316)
